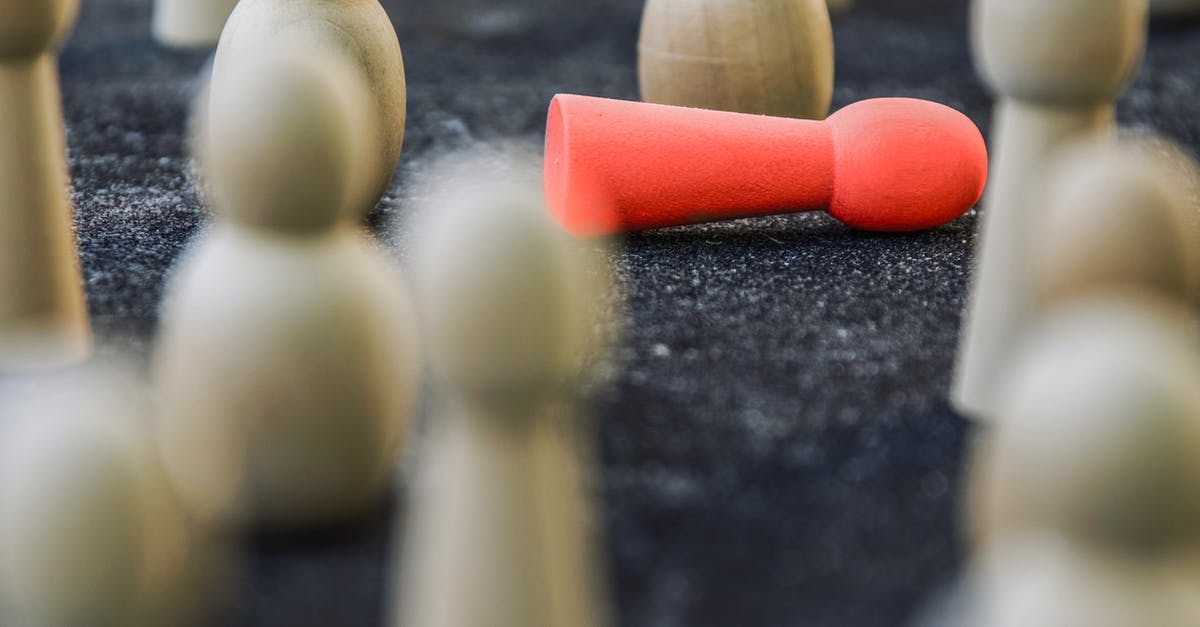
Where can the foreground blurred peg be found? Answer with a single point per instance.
(501, 532)
(89, 534)
(361, 35)
(1118, 216)
(190, 23)
(1086, 511)
(888, 164)
(43, 312)
(1049, 94)
(1116, 267)
(1040, 581)
(773, 57)
(286, 359)
(1099, 438)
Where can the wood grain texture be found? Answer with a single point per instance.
(772, 57)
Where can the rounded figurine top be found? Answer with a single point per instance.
(356, 31)
(1099, 435)
(32, 27)
(505, 293)
(1120, 216)
(1066, 52)
(285, 141)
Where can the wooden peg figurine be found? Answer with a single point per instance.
(1118, 216)
(360, 32)
(501, 530)
(190, 23)
(90, 533)
(286, 362)
(43, 311)
(1099, 434)
(1047, 98)
(773, 57)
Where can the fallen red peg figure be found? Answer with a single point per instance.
(889, 164)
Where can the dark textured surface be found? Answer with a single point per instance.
(776, 449)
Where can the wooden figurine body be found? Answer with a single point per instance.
(1118, 215)
(1047, 98)
(90, 534)
(772, 57)
(285, 360)
(501, 527)
(1041, 581)
(285, 364)
(361, 32)
(43, 310)
(190, 23)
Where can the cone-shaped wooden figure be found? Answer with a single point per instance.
(90, 534)
(43, 312)
(750, 56)
(1048, 94)
(190, 23)
(358, 31)
(286, 357)
(500, 533)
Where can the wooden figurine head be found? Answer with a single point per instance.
(1065, 52)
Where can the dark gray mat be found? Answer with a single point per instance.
(776, 448)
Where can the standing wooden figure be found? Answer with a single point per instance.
(43, 311)
(191, 23)
(286, 359)
(773, 57)
(1058, 68)
(499, 534)
(361, 34)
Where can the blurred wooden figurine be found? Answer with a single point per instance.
(190, 23)
(286, 359)
(43, 311)
(1047, 98)
(500, 532)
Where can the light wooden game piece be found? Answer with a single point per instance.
(43, 311)
(501, 530)
(190, 23)
(1048, 95)
(1043, 582)
(88, 535)
(750, 56)
(1119, 215)
(1098, 438)
(358, 31)
(286, 360)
